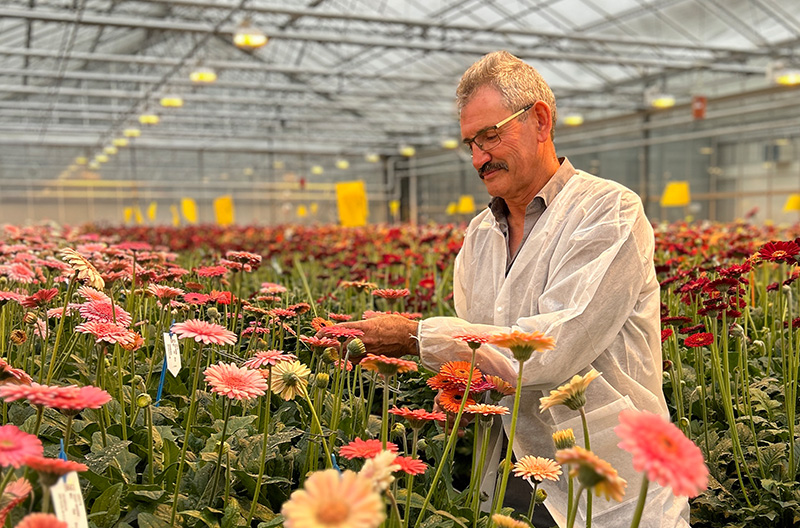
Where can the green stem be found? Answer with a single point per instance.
(186, 427)
(588, 448)
(148, 415)
(59, 333)
(637, 514)
(68, 433)
(263, 456)
(574, 511)
(226, 413)
(498, 501)
(385, 413)
(533, 501)
(329, 461)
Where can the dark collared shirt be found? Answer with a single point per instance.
(534, 210)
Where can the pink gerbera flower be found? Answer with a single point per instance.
(104, 311)
(9, 374)
(41, 520)
(16, 445)
(235, 382)
(319, 343)
(268, 358)
(108, 332)
(412, 466)
(15, 494)
(90, 294)
(662, 452)
(50, 469)
(71, 402)
(164, 293)
(201, 331)
(359, 448)
(342, 333)
(35, 393)
(19, 272)
(211, 271)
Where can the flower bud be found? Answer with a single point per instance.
(330, 355)
(321, 380)
(422, 444)
(30, 318)
(398, 429)
(213, 313)
(564, 439)
(143, 400)
(666, 366)
(18, 336)
(541, 496)
(356, 348)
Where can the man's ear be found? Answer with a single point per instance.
(544, 120)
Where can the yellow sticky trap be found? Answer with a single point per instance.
(351, 202)
(466, 204)
(189, 210)
(137, 215)
(224, 210)
(128, 214)
(676, 194)
(302, 212)
(176, 217)
(394, 207)
(792, 203)
(452, 208)
(151, 211)
(314, 208)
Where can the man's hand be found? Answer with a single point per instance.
(386, 335)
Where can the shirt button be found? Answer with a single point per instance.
(499, 309)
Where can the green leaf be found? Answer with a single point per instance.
(102, 457)
(148, 520)
(206, 516)
(277, 521)
(106, 508)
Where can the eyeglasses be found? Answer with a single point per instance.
(489, 138)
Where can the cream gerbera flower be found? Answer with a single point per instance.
(504, 521)
(573, 394)
(537, 468)
(379, 470)
(289, 378)
(333, 500)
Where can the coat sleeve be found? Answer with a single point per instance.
(597, 273)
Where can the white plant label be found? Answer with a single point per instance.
(68, 501)
(173, 351)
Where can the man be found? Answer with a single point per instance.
(558, 251)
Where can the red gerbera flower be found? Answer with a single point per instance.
(418, 417)
(16, 446)
(699, 340)
(211, 271)
(40, 298)
(666, 334)
(412, 466)
(201, 331)
(359, 448)
(235, 382)
(779, 252)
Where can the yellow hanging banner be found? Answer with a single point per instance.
(351, 202)
(466, 204)
(302, 212)
(137, 215)
(176, 217)
(224, 210)
(394, 207)
(151, 211)
(452, 208)
(189, 210)
(676, 194)
(128, 214)
(313, 208)
(792, 203)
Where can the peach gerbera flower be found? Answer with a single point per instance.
(593, 472)
(537, 468)
(486, 409)
(41, 520)
(572, 394)
(504, 521)
(289, 378)
(523, 344)
(201, 331)
(235, 382)
(333, 500)
(14, 494)
(662, 452)
(86, 271)
(387, 366)
(379, 469)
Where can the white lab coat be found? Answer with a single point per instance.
(585, 276)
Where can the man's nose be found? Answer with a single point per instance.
(479, 157)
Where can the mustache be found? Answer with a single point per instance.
(489, 166)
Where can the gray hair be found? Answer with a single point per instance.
(518, 83)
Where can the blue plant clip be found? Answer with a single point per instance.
(161, 382)
(335, 465)
(61, 453)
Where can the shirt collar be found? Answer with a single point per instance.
(548, 193)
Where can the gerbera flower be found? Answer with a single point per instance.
(537, 468)
(417, 418)
(439, 382)
(164, 293)
(35, 393)
(270, 288)
(359, 448)
(593, 472)
(523, 344)
(19, 272)
(342, 333)
(486, 409)
(500, 389)
(268, 358)
(11, 375)
(50, 469)
(572, 394)
(564, 438)
(106, 331)
(379, 470)
(411, 466)
(342, 318)
(473, 340)
(666, 334)
(40, 298)
(14, 494)
(135, 344)
(662, 452)
(201, 331)
(779, 252)
(211, 271)
(87, 273)
(504, 521)
(235, 382)
(244, 257)
(699, 340)
(6, 296)
(16, 446)
(318, 323)
(387, 366)
(282, 313)
(391, 294)
(319, 343)
(358, 285)
(289, 378)
(74, 401)
(333, 500)
(41, 520)
(450, 400)
(196, 298)
(459, 372)
(90, 294)
(104, 311)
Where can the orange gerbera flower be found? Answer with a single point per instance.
(593, 472)
(459, 372)
(500, 388)
(450, 400)
(572, 394)
(523, 344)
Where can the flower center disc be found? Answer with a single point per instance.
(333, 513)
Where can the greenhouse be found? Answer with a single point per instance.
(392, 263)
